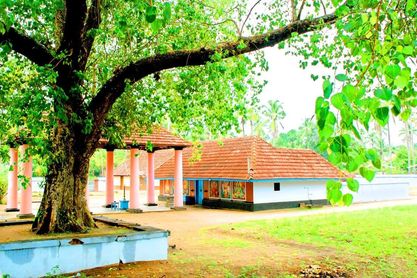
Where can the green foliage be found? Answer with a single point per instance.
(195, 101)
(304, 137)
(399, 163)
(3, 187)
(98, 161)
(373, 48)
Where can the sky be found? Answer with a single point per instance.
(292, 86)
(297, 92)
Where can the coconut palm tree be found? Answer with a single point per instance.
(275, 113)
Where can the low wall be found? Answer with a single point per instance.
(40, 257)
(384, 188)
(221, 203)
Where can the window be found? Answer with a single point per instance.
(239, 191)
(214, 189)
(226, 188)
(277, 186)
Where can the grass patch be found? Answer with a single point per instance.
(386, 237)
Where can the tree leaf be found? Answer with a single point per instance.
(350, 92)
(401, 81)
(150, 14)
(377, 163)
(347, 199)
(338, 101)
(408, 50)
(167, 11)
(352, 184)
(334, 196)
(381, 115)
(341, 77)
(368, 174)
(392, 71)
(334, 193)
(411, 4)
(156, 26)
(384, 94)
(352, 165)
(327, 88)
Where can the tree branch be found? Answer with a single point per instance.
(27, 46)
(293, 12)
(93, 22)
(114, 87)
(301, 9)
(248, 15)
(75, 14)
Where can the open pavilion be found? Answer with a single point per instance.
(158, 139)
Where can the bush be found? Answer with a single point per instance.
(3, 188)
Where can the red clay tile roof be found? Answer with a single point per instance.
(161, 156)
(232, 159)
(160, 139)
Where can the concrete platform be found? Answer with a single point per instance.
(37, 258)
(96, 201)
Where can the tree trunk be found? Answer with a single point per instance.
(64, 205)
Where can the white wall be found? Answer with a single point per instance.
(263, 192)
(382, 188)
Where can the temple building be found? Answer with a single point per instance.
(250, 174)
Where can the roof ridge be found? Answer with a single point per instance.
(253, 153)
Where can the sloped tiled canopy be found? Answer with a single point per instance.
(252, 158)
(160, 158)
(160, 138)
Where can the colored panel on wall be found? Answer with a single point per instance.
(249, 191)
(214, 189)
(186, 188)
(192, 188)
(226, 189)
(162, 187)
(239, 190)
(206, 189)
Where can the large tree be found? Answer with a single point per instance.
(82, 56)
(75, 69)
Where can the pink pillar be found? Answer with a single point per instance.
(26, 193)
(109, 178)
(134, 179)
(178, 180)
(12, 184)
(151, 179)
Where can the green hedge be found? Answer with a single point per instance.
(3, 187)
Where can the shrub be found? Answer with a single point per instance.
(3, 188)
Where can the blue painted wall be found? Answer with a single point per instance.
(37, 258)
